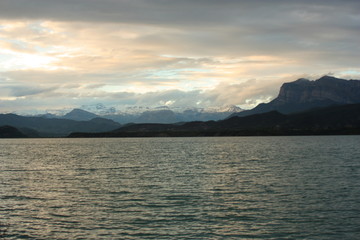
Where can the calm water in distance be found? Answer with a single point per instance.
(181, 188)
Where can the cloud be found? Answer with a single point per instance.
(23, 91)
(202, 52)
(164, 11)
(67, 96)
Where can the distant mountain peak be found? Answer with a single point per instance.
(224, 109)
(80, 115)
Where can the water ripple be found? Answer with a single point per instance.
(181, 188)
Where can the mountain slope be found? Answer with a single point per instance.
(160, 116)
(303, 94)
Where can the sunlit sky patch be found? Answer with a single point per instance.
(204, 53)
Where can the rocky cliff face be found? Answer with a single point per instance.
(304, 94)
(326, 88)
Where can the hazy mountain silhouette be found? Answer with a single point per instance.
(170, 116)
(10, 132)
(56, 127)
(145, 115)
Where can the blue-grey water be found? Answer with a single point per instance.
(181, 188)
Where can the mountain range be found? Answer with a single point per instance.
(155, 115)
(342, 119)
(79, 120)
(328, 105)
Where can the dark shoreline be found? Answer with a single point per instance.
(213, 134)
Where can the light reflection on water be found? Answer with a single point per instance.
(181, 188)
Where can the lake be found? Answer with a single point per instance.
(181, 188)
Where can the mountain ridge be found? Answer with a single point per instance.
(151, 115)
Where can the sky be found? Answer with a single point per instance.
(63, 54)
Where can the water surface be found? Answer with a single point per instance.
(181, 188)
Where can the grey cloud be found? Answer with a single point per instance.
(222, 95)
(68, 79)
(120, 100)
(176, 97)
(94, 86)
(316, 35)
(209, 27)
(247, 94)
(23, 91)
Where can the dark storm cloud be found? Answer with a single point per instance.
(169, 11)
